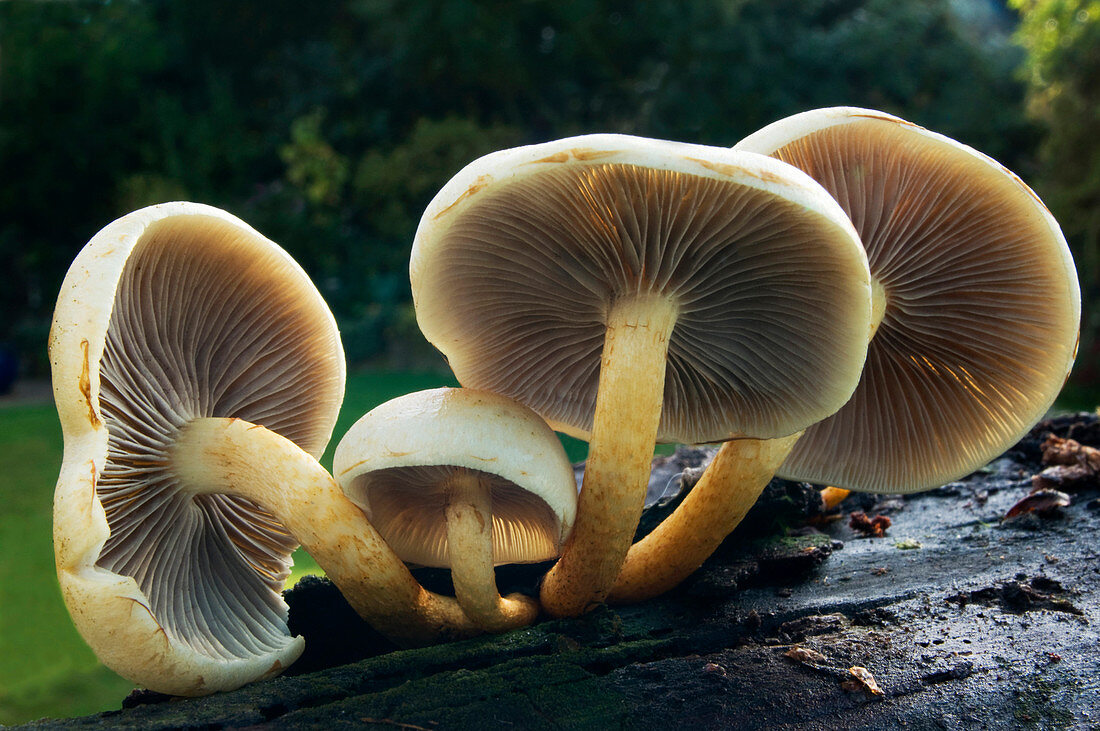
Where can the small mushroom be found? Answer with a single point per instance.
(633, 291)
(466, 480)
(976, 309)
(197, 374)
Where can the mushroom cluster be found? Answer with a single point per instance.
(198, 374)
(843, 297)
(976, 311)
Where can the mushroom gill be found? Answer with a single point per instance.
(531, 272)
(407, 505)
(204, 324)
(974, 335)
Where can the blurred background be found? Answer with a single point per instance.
(329, 125)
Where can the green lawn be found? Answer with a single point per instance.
(46, 669)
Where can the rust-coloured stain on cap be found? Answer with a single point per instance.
(85, 385)
(577, 153)
(482, 182)
(732, 170)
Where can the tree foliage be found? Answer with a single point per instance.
(329, 125)
(1062, 38)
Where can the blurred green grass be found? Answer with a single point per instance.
(46, 668)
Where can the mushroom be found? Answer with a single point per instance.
(466, 480)
(633, 290)
(977, 301)
(184, 343)
(976, 312)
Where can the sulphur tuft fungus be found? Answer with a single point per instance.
(976, 309)
(170, 314)
(977, 304)
(197, 374)
(465, 480)
(632, 291)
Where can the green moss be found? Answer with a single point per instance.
(1037, 705)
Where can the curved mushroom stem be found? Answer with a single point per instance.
(624, 430)
(469, 514)
(716, 505)
(231, 456)
(709, 513)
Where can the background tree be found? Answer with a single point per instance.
(1062, 38)
(329, 125)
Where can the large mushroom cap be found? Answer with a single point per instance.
(396, 461)
(520, 257)
(981, 301)
(171, 313)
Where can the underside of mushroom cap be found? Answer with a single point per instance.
(519, 259)
(173, 313)
(982, 304)
(396, 460)
(407, 506)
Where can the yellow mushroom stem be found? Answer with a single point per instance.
(624, 430)
(469, 514)
(709, 513)
(719, 501)
(235, 457)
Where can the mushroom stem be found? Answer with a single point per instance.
(624, 431)
(232, 456)
(709, 513)
(716, 505)
(469, 514)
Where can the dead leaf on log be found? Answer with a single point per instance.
(862, 680)
(1044, 503)
(805, 655)
(1072, 465)
(832, 497)
(870, 527)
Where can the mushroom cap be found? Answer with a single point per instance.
(982, 304)
(170, 313)
(520, 257)
(394, 462)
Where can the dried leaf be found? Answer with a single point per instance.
(805, 655)
(1073, 465)
(831, 497)
(871, 527)
(1043, 502)
(863, 680)
(1058, 451)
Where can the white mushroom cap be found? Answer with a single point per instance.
(394, 460)
(175, 312)
(979, 301)
(520, 257)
